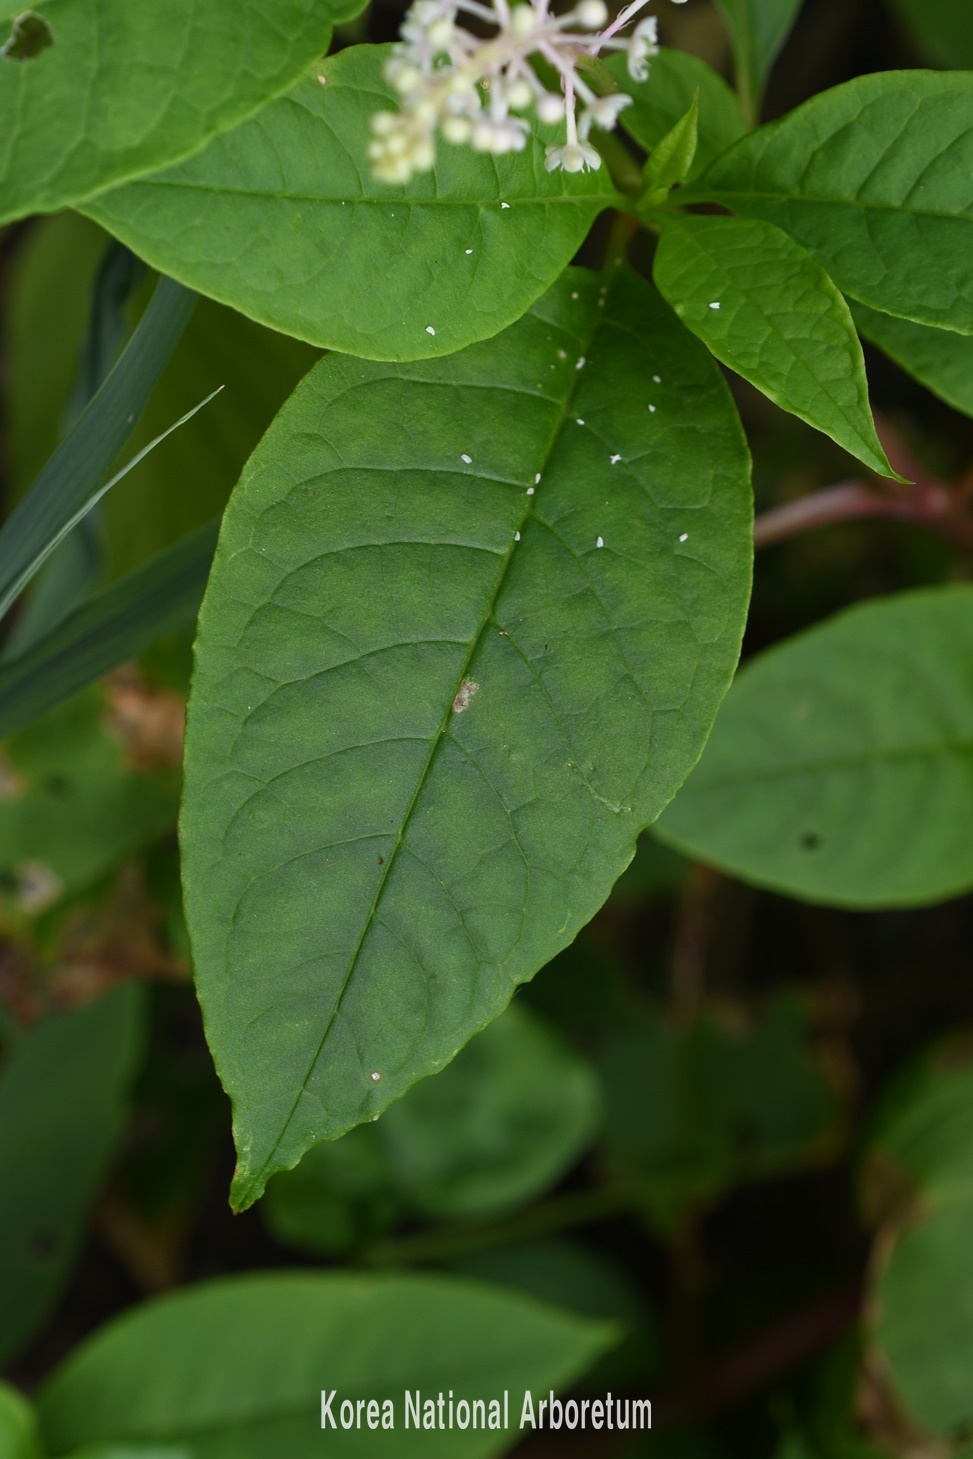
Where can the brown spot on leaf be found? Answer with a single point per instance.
(464, 694)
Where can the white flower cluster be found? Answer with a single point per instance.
(475, 90)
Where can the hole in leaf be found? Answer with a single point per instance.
(810, 840)
(30, 35)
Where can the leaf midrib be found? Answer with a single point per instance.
(531, 502)
(540, 200)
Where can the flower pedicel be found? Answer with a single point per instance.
(471, 89)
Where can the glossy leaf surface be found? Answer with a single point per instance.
(766, 309)
(282, 220)
(840, 766)
(126, 88)
(875, 179)
(466, 631)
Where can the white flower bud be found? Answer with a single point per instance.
(519, 94)
(591, 14)
(550, 108)
(441, 34)
(457, 129)
(522, 20)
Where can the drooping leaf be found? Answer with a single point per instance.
(63, 1090)
(657, 104)
(938, 358)
(71, 808)
(73, 478)
(499, 1125)
(943, 26)
(237, 1367)
(840, 766)
(107, 630)
(873, 178)
(281, 219)
(758, 29)
(466, 631)
(120, 89)
(694, 1110)
(766, 309)
(922, 1295)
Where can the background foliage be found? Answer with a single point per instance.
(719, 1149)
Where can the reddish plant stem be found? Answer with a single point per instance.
(924, 502)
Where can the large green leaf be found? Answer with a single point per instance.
(466, 631)
(766, 309)
(944, 27)
(499, 1125)
(938, 358)
(63, 1088)
(657, 104)
(126, 88)
(281, 219)
(840, 768)
(758, 29)
(237, 1368)
(875, 178)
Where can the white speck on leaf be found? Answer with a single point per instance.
(614, 459)
(516, 536)
(683, 536)
(322, 80)
(562, 354)
(530, 491)
(467, 459)
(464, 694)
(429, 329)
(714, 306)
(657, 379)
(505, 205)
(537, 479)
(580, 421)
(375, 1076)
(580, 364)
(469, 250)
(574, 296)
(652, 409)
(600, 542)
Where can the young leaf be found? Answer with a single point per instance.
(839, 768)
(672, 156)
(63, 1090)
(758, 29)
(938, 358)
(238, 1366)
(108, 629)
(872, 178)
(466, 631)
(658, 103)
(119, 89)
(282, 220)
(768, 311)
(72, 480)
